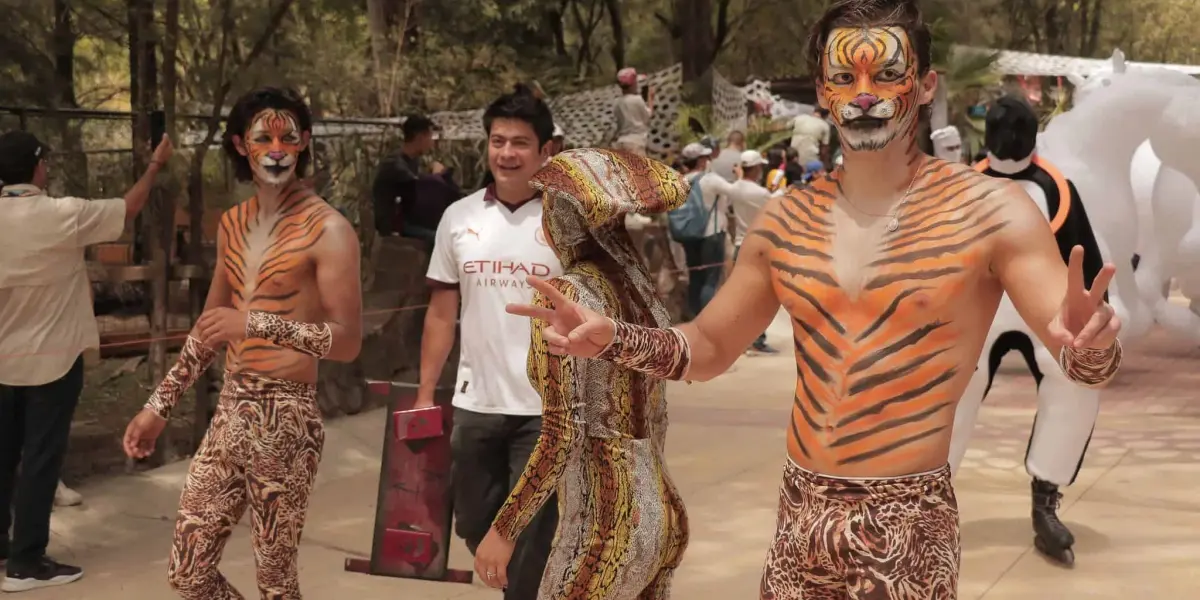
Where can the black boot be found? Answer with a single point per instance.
(1051, 537)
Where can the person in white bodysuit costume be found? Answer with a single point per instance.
(1066, 413)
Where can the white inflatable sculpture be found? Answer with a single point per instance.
(1157, 118)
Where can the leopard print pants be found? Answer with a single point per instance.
(261, 451)
(864, 539)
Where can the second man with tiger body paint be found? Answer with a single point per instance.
(891, 268)
(285, 294)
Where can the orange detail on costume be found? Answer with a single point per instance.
(1064, 189)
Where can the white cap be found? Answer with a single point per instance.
(752, 158)
(695, 150)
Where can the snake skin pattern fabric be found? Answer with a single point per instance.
(663, 353)
(864, 539)
(622, 524)
(309, 338)
(261, 452)
(194, 358)
(1089, 367)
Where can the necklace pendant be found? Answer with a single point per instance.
(893, 225)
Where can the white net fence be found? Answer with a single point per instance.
(587, 117)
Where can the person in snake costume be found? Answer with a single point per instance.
(285, 294)
(622, 524)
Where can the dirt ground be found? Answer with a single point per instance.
(114, 391)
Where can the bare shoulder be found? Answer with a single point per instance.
(334, 231)
(996, 206)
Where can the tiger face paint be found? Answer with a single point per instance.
(273, 144)
(870, 85)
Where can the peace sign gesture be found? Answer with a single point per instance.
(1085, 319)
(572, 329)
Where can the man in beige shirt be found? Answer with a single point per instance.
(46, 322)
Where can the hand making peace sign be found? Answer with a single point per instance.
(572, 329)
(1085, 319)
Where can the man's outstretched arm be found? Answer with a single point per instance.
(1071, 319)
(695, 351)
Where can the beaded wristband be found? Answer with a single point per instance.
(1090, 367)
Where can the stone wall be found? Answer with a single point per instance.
(394, 296)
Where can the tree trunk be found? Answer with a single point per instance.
(616, 22)
(155, 220)
(70, 131)
(1093, 33)
(377, 25)
(554, 18)
(1055, 42)
(697, 48)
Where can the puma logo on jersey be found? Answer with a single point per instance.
(473, 232)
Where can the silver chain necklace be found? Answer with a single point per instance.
(894, 224)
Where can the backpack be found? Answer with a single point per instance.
(690, 221)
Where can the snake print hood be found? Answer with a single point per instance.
(587, 194)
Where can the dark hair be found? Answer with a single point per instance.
(904, 14)
(522, 105)
(242, 114)
(20, 153)
(791, 153)
(416, 125)
(775, 157)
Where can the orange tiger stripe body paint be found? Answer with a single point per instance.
(870, 75)
(880, 358)
(268, 262)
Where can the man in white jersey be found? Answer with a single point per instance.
(748, 197)
(486, 246)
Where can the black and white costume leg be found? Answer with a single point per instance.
(1062, 429)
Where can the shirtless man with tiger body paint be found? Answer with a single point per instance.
(285, 294)
(891, 268)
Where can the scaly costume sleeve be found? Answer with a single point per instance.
(553, 377)
(194, 358)
(661, 353)
(310, 338)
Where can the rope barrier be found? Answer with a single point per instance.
(172, 338)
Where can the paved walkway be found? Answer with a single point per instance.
(1135, 508)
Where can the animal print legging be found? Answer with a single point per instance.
(261, 451)
(864, 539)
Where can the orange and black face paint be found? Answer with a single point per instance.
(870, 83)
(273, 145)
